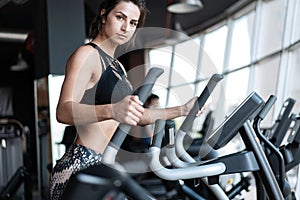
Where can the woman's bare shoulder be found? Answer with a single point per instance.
(85, 55)
(85, 51)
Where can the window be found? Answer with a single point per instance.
(271, 27)
(185, 63)
(265, 82)
(214, 47)
(265, 77)
(296, 26)
(236, 88)
(161, 56)
(247, 48)
(292, 86)
(241, 42)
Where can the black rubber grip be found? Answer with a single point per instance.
(283, 122)
(270, 102)
(170, 124)
(142, 92)
(159, 132)
(188, 121)
(169, 132)
(296, 139)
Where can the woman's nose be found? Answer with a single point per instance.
(125, 26)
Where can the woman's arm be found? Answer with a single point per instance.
(83, 71)
(80, 75)
(152, 114)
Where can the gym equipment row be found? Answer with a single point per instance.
(15, 180)
(264, 155)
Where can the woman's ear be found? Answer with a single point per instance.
(102, 16)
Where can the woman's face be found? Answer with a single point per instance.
(121, 23)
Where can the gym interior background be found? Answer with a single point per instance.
(253, 43)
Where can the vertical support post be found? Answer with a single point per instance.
(252, 143)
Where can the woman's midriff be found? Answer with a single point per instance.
(96, 136)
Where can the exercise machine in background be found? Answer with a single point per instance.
(15, 160)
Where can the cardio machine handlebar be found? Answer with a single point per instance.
(268, 105)
(119, 136)
(283, 122)
(161, 130)
(188, 121)
(158, 133)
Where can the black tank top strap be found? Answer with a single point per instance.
(108, 60)
(91, 44)
(105, 57)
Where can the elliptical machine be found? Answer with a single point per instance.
(109, 180)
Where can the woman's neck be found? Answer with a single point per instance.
(106, 45)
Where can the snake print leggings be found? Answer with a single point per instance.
(76, 158)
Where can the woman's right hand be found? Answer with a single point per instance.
(189, 105)
(129, 110)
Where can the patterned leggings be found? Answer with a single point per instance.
(75, 159)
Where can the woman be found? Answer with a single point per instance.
(88, 99)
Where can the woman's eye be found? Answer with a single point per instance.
(133, 23)
(120, 17)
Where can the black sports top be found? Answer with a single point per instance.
(112, 86)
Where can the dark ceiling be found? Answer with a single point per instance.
(17, 16)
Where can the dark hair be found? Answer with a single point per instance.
(108, 5)
(149, 99)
